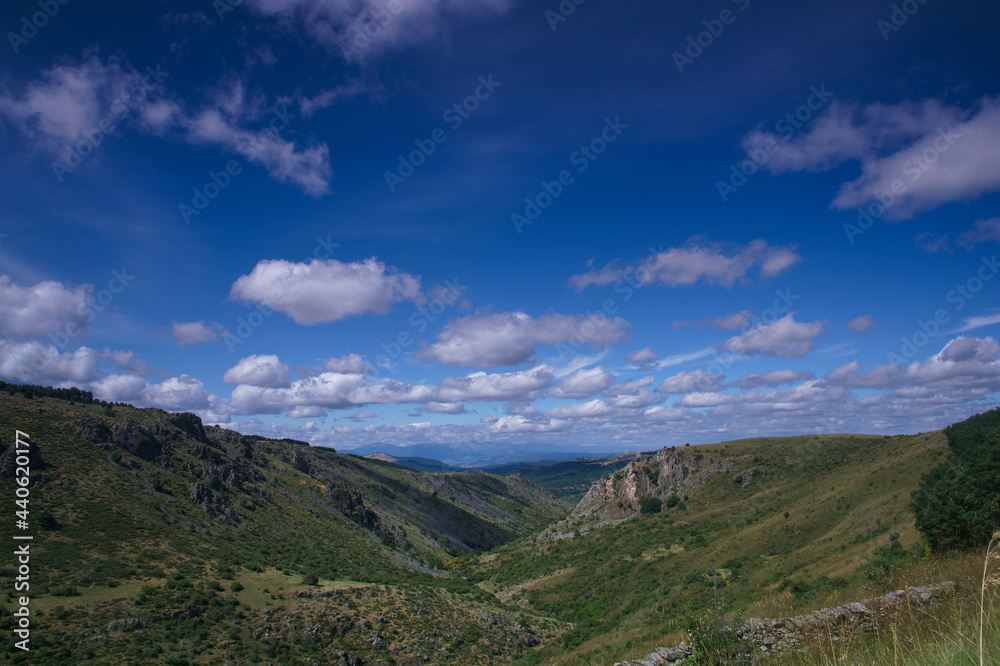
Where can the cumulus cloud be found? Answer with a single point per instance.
(42, 309)
(508, 386)
(519, 424)
(697, 261)
(862, 324)
(262, 370)
(71, 100)
(933, 151)
(963, 363)
(511, 338)
(584, 383)
(179, 394)
(690, 382)
(773, 378)
(351, 364)
(193, 333)
(326, 290)
(35, 363)
(785, 338)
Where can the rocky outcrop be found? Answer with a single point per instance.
(213, 504)
(190, 425)
(92, 429)
(351, 503)
(668, 471)
(770, 635)
(140, 623)
(8, 459)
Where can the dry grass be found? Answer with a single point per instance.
(991, 578)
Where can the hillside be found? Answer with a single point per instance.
(782, 522)
(137, 512)
(570, 479)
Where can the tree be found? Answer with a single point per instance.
(958, 503)
(649, 504)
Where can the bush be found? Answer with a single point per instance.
(236, 586)
(310, 579)
(958, 503)
(650, 505)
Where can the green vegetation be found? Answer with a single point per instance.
(958, 503)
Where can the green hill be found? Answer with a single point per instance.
(136, 513)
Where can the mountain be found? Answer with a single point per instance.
(570, 479)
(140, 516)
(419, 464)
(473, 456)
(156, 539)
(783, 522)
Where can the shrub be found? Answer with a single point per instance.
(310, 579)
(650, 505)
(236, 586)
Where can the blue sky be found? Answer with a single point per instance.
(498, 225)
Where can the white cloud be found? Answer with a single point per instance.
(443, 408)
(697, 261)
(42, 309)
(362, 29)
(690, 382)
(630, 388)
(329, 390)
(984, 231)
(862, 324)
(584, 383)
(972, 323)
(518, 424)
(511, 338)
(646, 355)
(328, 290)
(33, 362)
(773, 378)
(733, 322)
(184, 393)
(937, 154)
(785, 338)
(263, 370)
(964, 363)
(508, 387)
(72, 100)
(351, 364)
(119, 388)
(193, 333)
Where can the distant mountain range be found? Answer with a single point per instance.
(474, 457)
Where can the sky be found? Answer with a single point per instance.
(501, 225)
